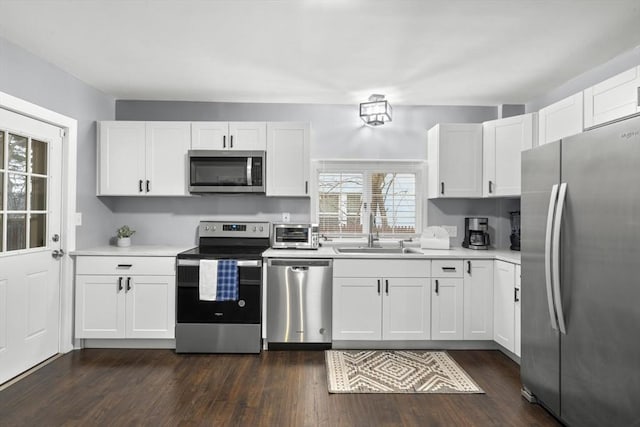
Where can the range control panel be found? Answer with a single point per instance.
(258, 229)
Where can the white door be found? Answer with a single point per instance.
(446, 309)
(357, 308)
(613, 98)
(209, 135)
(150, 306)
(30, 203)
(248, 136)
(167, 145)
(460, 161)
(561, 119)
(100, 302)
(406, 309)
(503, 305)
(288, 159)
(478, 300)
(121, 153)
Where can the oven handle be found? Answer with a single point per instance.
(241, 263)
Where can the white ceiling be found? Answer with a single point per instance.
(449, 52)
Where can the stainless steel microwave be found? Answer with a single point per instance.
(294, 236)
(226, 171)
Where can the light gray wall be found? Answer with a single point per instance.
(615, 66)
(337, 132)
(26, 76)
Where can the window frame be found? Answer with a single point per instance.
(367, 167)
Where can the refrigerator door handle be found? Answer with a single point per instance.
(556, 257)
(547, 256)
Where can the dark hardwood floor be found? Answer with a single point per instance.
(275, 388)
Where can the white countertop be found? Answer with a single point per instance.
(134, 250)
(461, 253)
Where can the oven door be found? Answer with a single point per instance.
(190, 309)
(226, 171)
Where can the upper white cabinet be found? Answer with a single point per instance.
(503, 141)
(478, 300)
(143, 158)
(381, 301)
(455, 160)
(229, 136)
(288, 161)
(561, 119)
(613, 98)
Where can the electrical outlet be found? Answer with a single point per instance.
(286, 217)
(451, 229)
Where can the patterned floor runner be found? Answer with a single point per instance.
(405, 371)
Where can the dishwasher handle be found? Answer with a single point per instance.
(299, 264)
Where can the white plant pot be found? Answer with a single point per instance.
(124, 242)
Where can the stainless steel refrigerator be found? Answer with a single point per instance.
(581, 276)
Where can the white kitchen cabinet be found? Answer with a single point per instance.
(613, 98)
(143, 158)
(478, 300)
(447, 309)
(503, 305)
(454, 152)
(125, 297)
(503, 141)
(248, 136)
(288, 161)
(375, 300)
(517, 342)
(561, 119)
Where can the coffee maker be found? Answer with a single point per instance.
(476, 233)
(515, 231)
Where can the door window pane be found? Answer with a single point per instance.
(1, 149)
(38, 230)
(16, 192)
(1, 195)
(17, 153)
(38, 157)
(16, 231)
(38, 194)
(1, 231)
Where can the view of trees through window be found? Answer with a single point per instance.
(345, 206)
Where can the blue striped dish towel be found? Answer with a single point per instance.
(227, 280)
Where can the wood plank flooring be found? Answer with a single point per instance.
(276, 388)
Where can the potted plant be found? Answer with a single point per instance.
(124, 236)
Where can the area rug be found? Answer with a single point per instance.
(377, 371)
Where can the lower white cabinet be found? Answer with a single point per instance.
(375, 300)
(517, 341)
(125, 297)
(504, 305)
(478, 300)
(447, 308)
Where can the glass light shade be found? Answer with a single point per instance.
(375, 113)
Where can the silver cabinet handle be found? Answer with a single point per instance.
(547, 256)
(556, 257)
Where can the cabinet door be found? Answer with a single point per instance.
(357, 308)
(248, 136)
(99, 307)
(478, 300)
(613, 98)
(517, 342)
(459, 160)
(406, 309)
(446, 309)
(503, 305)
(562, 119)
(209, 135)
(503, 141)
(121, 158)
(288, 159)
(150, 306)
(166, 161)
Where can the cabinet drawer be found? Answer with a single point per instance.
(381, 268)
(447, 268)
(126, 266)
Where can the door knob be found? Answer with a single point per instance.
(57, 254)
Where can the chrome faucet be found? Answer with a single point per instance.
(372, 224)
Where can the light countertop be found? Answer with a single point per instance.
(134, 250)
(453, 253)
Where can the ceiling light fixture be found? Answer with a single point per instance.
(375, 112)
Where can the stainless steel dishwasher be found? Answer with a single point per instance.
(299, 302)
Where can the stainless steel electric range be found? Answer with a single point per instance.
(222, 326)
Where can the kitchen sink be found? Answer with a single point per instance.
(367, 250)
